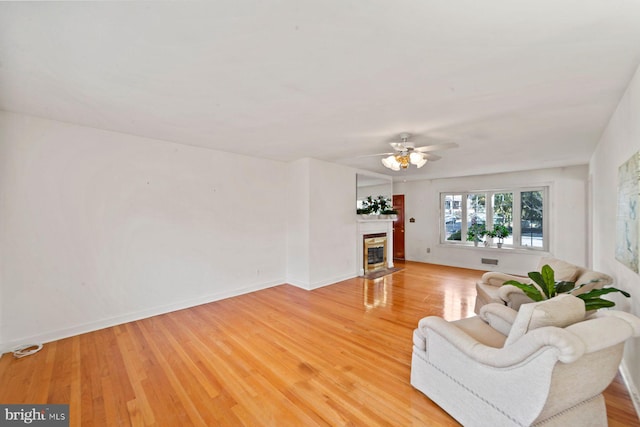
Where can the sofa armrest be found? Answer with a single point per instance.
(630, 319)
(606, 330)
(513, 297)
(495, 278)
(567, 347)
(499, 317)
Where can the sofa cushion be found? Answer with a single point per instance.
(562, 270)
(488, 294)
(479, 330)
(499, 317)
(560, 311)
(593, 279)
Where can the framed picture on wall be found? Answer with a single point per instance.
(627, 227)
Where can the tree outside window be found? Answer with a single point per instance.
(452, 218)
(477, 209)
(531, 230)
(502, 204)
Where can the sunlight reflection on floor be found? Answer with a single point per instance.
(377, 293)
(457, 304)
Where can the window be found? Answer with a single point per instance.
(452, 216)
(531, 216)
(522, 211)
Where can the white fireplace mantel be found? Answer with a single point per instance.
(373, 226)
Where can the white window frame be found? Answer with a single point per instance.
(517, 206)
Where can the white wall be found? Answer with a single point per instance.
(567, 224)
(322, 229)
(333, 223)
(98, 228)
(298, 217)
(620, 140)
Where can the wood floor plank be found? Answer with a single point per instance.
(338, 355)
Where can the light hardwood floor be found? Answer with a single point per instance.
(338, 355)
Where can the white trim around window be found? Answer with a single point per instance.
(524, 210)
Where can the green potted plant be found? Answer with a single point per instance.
(381, 204)
(501, 231)
(491, 234)
(390, 213)
(548, 288)
(377, 205)
(373, 206)
(364, 211)
(475, 232)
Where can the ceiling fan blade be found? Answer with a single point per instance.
(436, 147)
(377, 154)
(399, 146)
(432, 157)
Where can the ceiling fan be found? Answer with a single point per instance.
(406, 153)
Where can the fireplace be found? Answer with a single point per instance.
(376, 227)
(375, 252)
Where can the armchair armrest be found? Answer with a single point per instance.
(569, 347)
(495, 278)
(499, 317)
(514, 297)
(606, 328)
(629, 318)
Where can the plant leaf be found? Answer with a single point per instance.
(594, 293)
(537, 277)
(549, 280)
(596, 303)
(529, 290)
(563, 287)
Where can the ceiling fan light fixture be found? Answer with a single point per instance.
(403, 160)
(416, 157)
(391, 162)
(408, 154)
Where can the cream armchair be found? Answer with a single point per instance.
(543, 365)
(490, 289)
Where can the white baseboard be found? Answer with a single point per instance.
(46, 337)
(631, 387)
(311, 286)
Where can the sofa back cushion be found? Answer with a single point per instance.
(593, 280)
(560, 311)
(562, 270)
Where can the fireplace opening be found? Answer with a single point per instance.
(375, 255)
(375, 251)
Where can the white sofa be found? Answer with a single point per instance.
(490, 289)
(543, 365)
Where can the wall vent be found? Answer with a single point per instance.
(489, 261)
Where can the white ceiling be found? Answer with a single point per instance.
(516, 84)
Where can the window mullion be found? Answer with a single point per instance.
(517, 221)
(464, 225)
(488, 210)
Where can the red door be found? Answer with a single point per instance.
(398, 227)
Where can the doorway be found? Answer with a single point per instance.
(398, 227)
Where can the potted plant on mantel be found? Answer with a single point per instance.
(364, 211)
(380, 205)
(389, 213)
(368, 208)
